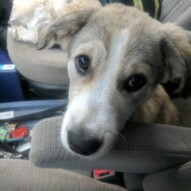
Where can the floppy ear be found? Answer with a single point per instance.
(176, 52)
(66, 25)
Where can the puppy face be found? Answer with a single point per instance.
(110, 76)
(115, 63)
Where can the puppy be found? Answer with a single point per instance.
(117, 58)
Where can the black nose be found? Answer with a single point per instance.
(82, 143)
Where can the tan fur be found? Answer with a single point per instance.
(157, 109)
(178, 37)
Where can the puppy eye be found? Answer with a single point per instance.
(134, 82)
(82, 63)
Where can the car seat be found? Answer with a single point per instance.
(151, 157)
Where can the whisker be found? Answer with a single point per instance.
(118, 134)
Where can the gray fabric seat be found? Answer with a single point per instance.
(45, 66)
(172, 10)
(153, 158)
(153, 147)
(45, 70)
(19, 175)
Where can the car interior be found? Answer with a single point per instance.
(33, 99)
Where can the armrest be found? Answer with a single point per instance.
(148, 148)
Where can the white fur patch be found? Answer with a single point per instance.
(118, 47)
(76, 112)
(95, 109)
